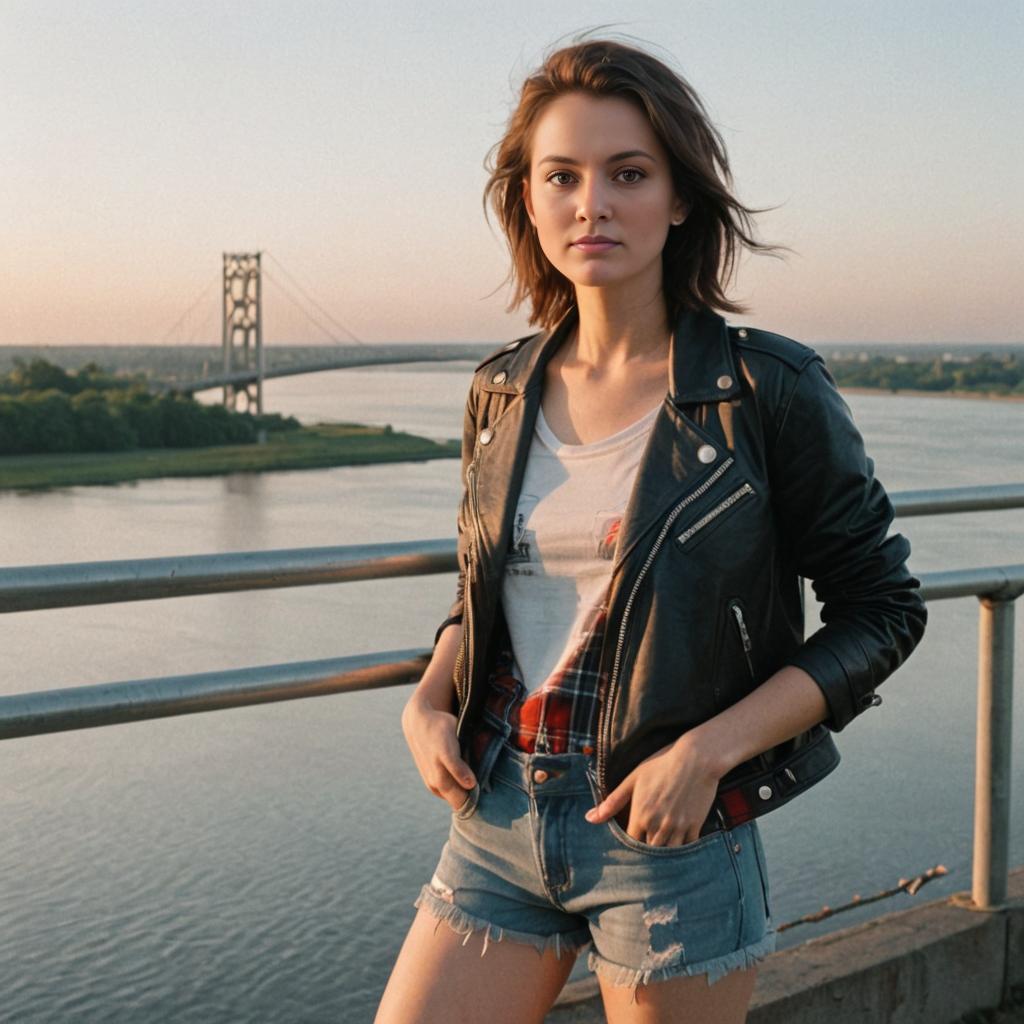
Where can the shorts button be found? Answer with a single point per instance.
(736, 848)
(742, 332)
(540, 775)
(764, 792)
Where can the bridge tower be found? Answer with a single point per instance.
(242, 328)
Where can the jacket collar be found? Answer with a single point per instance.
(701, 369)
(701, 364)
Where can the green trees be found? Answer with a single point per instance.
(45, 409)
(982, 373)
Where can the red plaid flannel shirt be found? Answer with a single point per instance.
(560, 717)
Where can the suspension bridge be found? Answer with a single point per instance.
(243, 353)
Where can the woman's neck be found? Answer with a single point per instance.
(608, 337)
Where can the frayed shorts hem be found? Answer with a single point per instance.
(715, 968)
(466, 924)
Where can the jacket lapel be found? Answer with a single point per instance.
(501, 463)
(678, 456)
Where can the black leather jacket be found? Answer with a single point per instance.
(754, 476)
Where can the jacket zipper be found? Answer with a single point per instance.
(467, 647)
(468, 596)
(605, 714)
(460, 657)
(741, 625)
(716, 511)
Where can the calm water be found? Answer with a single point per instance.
(260, 864)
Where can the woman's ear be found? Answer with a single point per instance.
(680, 211)
(527, 202)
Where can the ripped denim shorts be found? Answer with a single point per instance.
(522, 863)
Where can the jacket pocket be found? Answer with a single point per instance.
(738, 625)
(703, 526)
(733, 648)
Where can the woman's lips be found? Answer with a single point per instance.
(594, 246)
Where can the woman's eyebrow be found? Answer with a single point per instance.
(626, 153)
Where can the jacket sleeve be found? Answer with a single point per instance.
(468, 445)
(834, 518)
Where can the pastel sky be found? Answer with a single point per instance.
(138, 141)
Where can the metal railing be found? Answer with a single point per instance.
(81, 707)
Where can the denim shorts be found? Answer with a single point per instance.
(521, 862)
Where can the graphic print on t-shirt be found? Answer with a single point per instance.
(606, 532)
(522, 543)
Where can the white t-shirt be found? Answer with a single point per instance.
(562, 548)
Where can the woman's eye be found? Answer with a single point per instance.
(559, 174)
(632, 170)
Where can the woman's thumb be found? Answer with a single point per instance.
(461, 771)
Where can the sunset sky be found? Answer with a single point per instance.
(140, 141)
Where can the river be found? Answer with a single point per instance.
(260, 864)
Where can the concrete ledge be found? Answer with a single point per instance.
(930, 964)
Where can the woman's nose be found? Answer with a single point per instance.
(593, 201)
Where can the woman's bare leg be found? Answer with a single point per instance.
(438, 980)
(685, 998)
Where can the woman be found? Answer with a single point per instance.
(622, 684)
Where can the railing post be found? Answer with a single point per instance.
(992, 764)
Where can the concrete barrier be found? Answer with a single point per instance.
(930, 964)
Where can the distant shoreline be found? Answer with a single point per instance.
(992, 396)
(319, 446)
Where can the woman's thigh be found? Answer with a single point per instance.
(681, 1000)
(441, 977)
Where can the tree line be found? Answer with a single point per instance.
(1003, 376)
(45, 409)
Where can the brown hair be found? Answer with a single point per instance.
(700, 254)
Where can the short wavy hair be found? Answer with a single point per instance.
(700, 255)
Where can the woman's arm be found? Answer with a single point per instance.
(468, 446)
(784, 705)
(430, 714)
(834, 516)
(436, 688)
(677, 784)
(833, 519)
(428, 723)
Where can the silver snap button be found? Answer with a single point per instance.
(764, 792)
(724, 382)
(706, 453)
(499, 378)
(485, 435)
(736, 848)
(742, 332)
(540, 775)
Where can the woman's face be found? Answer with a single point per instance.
(597, 168)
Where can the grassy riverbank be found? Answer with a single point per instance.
(313, 447)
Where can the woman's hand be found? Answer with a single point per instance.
(431, 737)
(667, 796)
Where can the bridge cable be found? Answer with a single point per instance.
(309, 298)
(177, 323)
(301, 308)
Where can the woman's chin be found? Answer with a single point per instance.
(594, 274)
